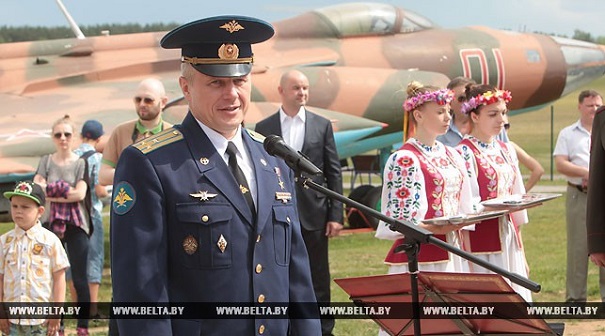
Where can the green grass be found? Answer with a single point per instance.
(544, 237)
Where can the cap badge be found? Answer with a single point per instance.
(203, 195)
(232, 26)
(190, 245)
(228, 51)
(222, 244)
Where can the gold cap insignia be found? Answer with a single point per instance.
(232, 26)
(204, 161)
(222, 244)
(285, 197)
(203, 195)
(190, 245)
(37, 249)
(228, 51)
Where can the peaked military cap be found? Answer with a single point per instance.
(219, 46)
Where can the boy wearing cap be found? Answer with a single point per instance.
(91, 133)
(201, 212)
(32, 262)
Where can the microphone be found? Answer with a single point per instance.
(275, 146)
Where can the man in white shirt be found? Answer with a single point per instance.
(321, 218)
(572, 157)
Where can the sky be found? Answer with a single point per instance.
(548, 16)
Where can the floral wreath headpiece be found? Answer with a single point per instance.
(441, 97)
(486, 98)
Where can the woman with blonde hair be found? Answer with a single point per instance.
(424, 179)
(61, 175)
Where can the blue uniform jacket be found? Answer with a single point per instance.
(166, 243)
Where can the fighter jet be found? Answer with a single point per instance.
(359, 57)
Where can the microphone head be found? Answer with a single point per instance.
(270, 142)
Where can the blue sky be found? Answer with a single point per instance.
(550, 16)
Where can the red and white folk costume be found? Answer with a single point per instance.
(494, 172)
(423, 182)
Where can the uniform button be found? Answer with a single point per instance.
(205, 218)
(258, 239)
(261, 298)
(259, 268)
(261, 329)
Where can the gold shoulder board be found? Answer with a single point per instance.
(256, 136)
(156, 141)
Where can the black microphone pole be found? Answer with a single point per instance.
(414, 236)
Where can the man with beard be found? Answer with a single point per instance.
(149, 101)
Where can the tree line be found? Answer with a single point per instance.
(33, 33)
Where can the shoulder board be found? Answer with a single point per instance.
(159, 140)
(256, 136)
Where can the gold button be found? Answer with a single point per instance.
(288, 219)
(258, 239)
(205, 218)
(259, 268)
(261, 329)
(261, 298)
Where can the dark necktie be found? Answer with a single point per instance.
(239, 175)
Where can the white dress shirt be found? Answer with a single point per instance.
(293, 128)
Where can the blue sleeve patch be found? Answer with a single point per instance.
(124, 198)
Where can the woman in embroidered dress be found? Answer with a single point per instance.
(423, 180)
(493, 169)
(61, 175)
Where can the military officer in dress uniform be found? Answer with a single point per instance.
(200, 212)
(595, 214)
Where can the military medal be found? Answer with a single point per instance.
(279, 180)
(190, 245)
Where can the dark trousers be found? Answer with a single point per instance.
(76, 245)
(317, 248)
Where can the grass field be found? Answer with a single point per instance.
(544, 237)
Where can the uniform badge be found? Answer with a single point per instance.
(204, 161)
(243, 189)
(37, 249)
(39, 272)
(9, 239)
(190, 245)
(203, 195)
(279, 180)
(285, 197)
(125, 198)
(232, 26)
(222, 244)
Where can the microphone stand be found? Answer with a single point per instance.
(414, 236)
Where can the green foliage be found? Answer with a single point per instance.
(30, 33)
